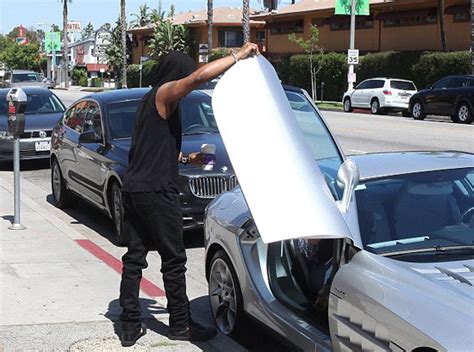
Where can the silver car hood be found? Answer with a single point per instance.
(282, 185)
(435, 298)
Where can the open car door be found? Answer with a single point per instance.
(281, 182)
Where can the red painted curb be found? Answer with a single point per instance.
(146, 285)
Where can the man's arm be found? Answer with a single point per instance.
(170, 93)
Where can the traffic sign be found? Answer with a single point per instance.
(203, 48)
(353, 56)
(351, 77)
(103, 38)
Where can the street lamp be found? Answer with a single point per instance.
(53, 61)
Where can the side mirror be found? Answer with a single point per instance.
(348, 179)
(88, 137)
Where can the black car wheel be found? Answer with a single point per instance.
(347, 105)
(116, 208)
(417, 111)
(62, 197)
(225, 295)
(375, 106)
(463, 114)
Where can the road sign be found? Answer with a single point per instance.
(103, 39)
(203, 48)
(343, 7)
(74, 27)
(351, 78)
(203, 58)
(353, 56)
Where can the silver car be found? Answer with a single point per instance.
(373, 253)
(23, 78)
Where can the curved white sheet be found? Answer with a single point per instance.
(281, 182)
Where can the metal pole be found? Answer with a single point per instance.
(352, 40)
(53, 62)
(141, 70)
(16, 169)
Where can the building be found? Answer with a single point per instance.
(401, 25)
(226, 31)
(82, 55)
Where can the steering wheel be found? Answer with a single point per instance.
(193, 127)
(198, 127)
(467, 212)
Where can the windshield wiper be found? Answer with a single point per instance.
(436, 249)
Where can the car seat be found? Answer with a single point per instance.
(423, 208)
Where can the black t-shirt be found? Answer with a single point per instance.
(156, 143)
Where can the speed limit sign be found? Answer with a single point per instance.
(353, 56)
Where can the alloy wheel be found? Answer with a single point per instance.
(222, 295)
(56, 182)
(463, 113)
(375, 107)
(347, 105)
(416, 110)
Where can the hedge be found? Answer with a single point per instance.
(424, 68)
(149, 78)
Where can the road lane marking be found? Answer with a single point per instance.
(145, 285)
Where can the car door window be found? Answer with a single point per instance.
(377, 84)
(74, 117)
(92, 121)
(443, 84)
(364, 85)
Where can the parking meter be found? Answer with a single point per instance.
(16, 100)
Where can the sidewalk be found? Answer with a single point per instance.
(59, 289)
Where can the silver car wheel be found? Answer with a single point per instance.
(56, 182)
(374, 106)
(117, 204)
(347, 105)
(416, 110)
(222, 296)
(463, 113)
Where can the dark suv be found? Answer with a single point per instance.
(450, 96)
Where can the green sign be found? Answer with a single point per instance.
(49, 42)
(343, 7)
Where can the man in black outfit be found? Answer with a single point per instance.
(152, 210)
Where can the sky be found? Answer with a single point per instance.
(31, 12)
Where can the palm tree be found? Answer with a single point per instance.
(142, 18)
(210, 10)
(65, 50)
(123, 21)
(246, 20)
(442, 24)
(472, 37)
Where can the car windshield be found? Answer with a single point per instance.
(25, 77)
(37, 104)
(414, 212)
(402, 85)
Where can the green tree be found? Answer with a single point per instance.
(114, 51)
(142, 18)
(169, 37)
(33, 36)
(312, 48)
(26, 57)
(157, 14)
(87, 32)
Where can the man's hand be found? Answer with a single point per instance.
(247, 50)
(195, 158)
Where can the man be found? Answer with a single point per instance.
(152, 210)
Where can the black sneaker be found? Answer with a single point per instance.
(130, 337)
(195, 332)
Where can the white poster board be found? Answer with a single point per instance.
(282, 184)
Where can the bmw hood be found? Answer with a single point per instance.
(35, 122)
(282, 185)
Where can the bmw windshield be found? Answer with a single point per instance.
(429, 213)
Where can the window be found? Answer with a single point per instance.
(74, 117)
(461, 16)
(197, 116)
(92, 121)
(378, 83)
(231, 38)
(287, 27)
(398, 19)
(38, 104)
(344, 23)
(402, 85)
(25, 77)
(364, 85)
(120, 117)
(443, 84)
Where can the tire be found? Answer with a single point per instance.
(225, 295)
(347, 105)
(375, 107)
(406, 113)
(116, 209)
(463, 114)
(418, 111)
(62, 197)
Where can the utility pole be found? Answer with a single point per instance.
(352, 42)
(53, 52)
(210, 11)
(472, 37)
(123, 26)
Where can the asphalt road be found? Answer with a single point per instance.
(357, 133)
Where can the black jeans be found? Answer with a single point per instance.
(154, 221)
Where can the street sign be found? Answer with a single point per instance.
(144, 58)
(103, 39)
(48, 43)
(353, 56)
(351, 77)
(203, 48)
(203, 58)
(343, 7)
(21, 40)
(74, 27)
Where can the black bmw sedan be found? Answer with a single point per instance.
(90, 145)
(450, 96)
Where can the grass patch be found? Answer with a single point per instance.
(332, 106)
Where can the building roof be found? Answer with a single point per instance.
(221, 16)
(306, 6)
(79, 42)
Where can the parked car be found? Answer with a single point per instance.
(380, 95)
(22, 78)
(43, 110)
(451, 96)
(401, 281)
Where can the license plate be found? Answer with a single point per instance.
(42, 146)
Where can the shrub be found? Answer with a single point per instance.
(133, 75)
(218, 54)
(78, 73)
(83, 82)
(149, 74)
(97, 82)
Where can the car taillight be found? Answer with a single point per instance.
(387, 92)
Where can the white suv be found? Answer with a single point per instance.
(380, 94)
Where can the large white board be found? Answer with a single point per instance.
(282, 184)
